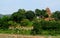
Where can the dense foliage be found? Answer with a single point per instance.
(35, 19)
(46, 27)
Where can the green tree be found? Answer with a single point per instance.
(56, 15)
(21, 11)
(46, 27)
(5, 18)
(41, 13)
(44, 13)
(4, 22)
(38, 12)
(26, 22)
(30, 15)
(19, 15)
(37, 27)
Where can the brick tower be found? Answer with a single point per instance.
(48, 12)
(49, 15)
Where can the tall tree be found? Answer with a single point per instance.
(41, 13)
(19, 15)
(56, 15)
(4, 22)
(38, 12)
(30, 15)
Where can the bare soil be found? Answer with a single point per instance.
(25, 36)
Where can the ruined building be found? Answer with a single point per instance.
(48, 11)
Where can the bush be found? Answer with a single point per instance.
(4, 22)
(26, 22)
(37, 27)
(12, 23)
(51, 27)
(4, 25)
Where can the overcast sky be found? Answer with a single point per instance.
(10, 6)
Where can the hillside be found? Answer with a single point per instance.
(1, 15)
(26, 22)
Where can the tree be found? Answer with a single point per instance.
(41, 13)
(30, 15)
(37, 27)
(19, 15)
(38, 12)
(21, 11)
(4, 22)
(5, 18)
(44, 13)
(26, 22)
(51, 27)
(56, 15)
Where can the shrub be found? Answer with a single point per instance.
(52, 27)
(13, 24)
(26, 22)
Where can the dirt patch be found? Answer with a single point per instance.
(25, 36)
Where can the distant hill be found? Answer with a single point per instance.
(8, 15)
(4, 15)
(1, 15)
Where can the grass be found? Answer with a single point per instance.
(24, 32)
(6, 31)
(16, 31)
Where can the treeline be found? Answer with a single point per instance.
(22, 17)
(35, 19)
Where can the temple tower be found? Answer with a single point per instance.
(48, 12)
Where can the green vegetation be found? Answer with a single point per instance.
(46, 28)
(16, 31)
(14, 23)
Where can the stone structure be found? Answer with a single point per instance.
(48, 12)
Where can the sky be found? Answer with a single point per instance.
(10, 6)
